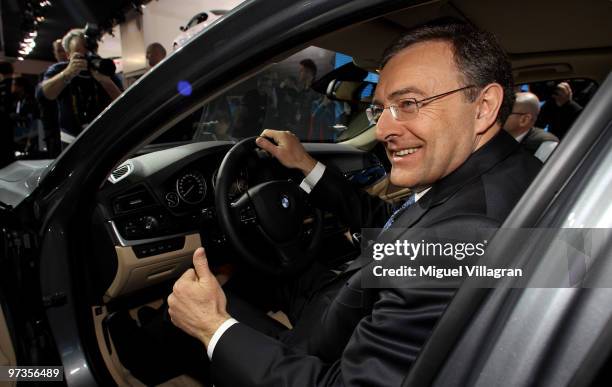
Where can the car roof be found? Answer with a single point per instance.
(547, 39)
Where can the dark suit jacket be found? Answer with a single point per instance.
(535, 137)
(370, 337)
(558, 118)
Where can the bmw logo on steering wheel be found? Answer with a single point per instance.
(285, 201)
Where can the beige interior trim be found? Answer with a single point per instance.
(364, 141)
(7, 352)
(120, 374)
(138, 273)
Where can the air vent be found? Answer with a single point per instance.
(121, 172)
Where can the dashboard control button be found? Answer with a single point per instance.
(150, 223)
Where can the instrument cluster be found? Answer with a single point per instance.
(190, 188)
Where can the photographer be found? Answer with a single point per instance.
(83, 86)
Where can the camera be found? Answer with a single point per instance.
(103, 65)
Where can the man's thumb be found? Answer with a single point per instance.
(200, 263)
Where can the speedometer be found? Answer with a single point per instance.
(191, 187)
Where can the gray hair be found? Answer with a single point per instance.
(73, 33)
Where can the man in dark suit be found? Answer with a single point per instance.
(559, 112)
(445, 89)
(520, 125)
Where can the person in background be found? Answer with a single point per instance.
(48, 109)
(7, 145)
(81, 93)
(258, 108)
(559, 113)
(306, 98)
(25, 115)
(287, 94)
(520, 124)
(155, 53)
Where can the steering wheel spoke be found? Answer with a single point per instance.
(243, 210)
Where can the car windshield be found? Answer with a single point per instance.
(280, 97)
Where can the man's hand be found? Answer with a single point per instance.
(197, 304)
(107, 84)
(75, 66)
(289, 150)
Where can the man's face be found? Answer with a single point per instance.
(442, 134)
(304, 76)
(562, 94)
(154, 56)
(77, 45)
(518, 121)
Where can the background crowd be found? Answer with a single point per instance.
(41, 117)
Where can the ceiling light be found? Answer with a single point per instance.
(19, 58)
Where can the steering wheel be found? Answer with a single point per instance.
(279, 210)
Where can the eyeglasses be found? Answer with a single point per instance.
(405, 108)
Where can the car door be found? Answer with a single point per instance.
(554, 335)
(24, 337)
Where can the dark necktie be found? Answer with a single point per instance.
(410, 201)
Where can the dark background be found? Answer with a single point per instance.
(60, 16)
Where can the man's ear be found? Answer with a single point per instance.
(526, 119)
(488, 105)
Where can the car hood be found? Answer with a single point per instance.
(19, 179)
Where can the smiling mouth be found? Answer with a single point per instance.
(404, 152)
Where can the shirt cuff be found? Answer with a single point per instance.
(313, 177)
(217, 335)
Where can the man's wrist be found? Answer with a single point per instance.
(308, 165)
(208, 332)
(66, 77)
(212, 343)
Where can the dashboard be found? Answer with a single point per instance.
(156, 209)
